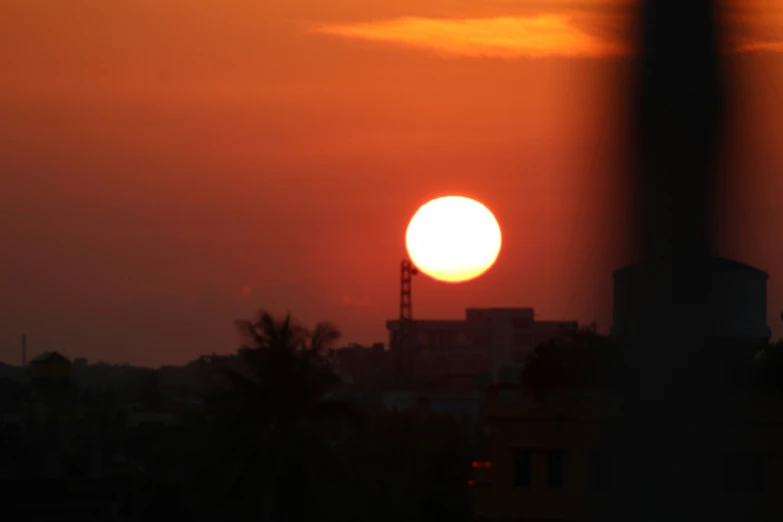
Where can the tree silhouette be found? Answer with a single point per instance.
(278, 419)
(152, 393)
(765, 374)
(581, 359)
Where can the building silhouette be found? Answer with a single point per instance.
(551, 459)
(358, 366)
(50, 369)
(491, 343)
(736, 304)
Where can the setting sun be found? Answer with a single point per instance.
(453, 239)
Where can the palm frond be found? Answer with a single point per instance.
(283, 332)
(323, 337)
(250, 335)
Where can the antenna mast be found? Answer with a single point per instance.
(407, 271)
(405, 351)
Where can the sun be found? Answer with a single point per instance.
(453, 239)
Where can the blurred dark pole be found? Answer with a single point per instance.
(672, 430)
(678, 116)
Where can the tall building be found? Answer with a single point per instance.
(737, 302)
(552, 459)
(491, 342)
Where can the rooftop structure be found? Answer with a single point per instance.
(737, 301)
(50, 367)
(491, 342)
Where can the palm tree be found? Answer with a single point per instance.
(280, 415)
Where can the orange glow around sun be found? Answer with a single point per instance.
(453, 239)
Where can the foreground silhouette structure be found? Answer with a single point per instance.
(676, 418)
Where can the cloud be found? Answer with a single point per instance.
(761, 46)
(501, 37)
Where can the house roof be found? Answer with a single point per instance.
(717, 263)
(422, 324)
(45, 356)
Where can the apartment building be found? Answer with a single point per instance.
(549, 460)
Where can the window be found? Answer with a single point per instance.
(600, 471)
(522, 323)
(523, 339)
(442, 338)
(521, 463)
(555, 472)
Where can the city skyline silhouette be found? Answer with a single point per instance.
(196, 187)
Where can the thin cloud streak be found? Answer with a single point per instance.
(502, 37)
(771, 47)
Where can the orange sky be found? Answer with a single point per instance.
(170, 166)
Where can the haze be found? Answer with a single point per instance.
(169, 167)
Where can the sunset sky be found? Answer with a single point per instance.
(171, 166)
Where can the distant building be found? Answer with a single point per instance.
(550, 459)
(211, 376)
(737, 304)
(494, 342)
(361, 366)
(50, 368)
(458, 404)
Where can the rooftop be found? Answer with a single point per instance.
(433, 323)
(718, 264)
(45, 356)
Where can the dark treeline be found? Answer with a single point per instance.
(262, 435)
(269, 434)
(586, 359)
